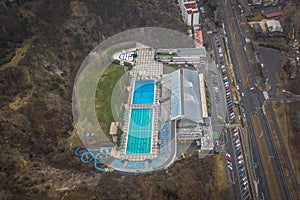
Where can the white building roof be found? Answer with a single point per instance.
(273, 26)
(185, 95)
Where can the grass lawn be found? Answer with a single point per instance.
(220, 183)
(103, 95)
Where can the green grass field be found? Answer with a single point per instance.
(103, 95)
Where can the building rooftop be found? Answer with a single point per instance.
(185, 95)
(189, 52)
(191, 5)
(199, 38)
(272, 12)
(192, 11)
(273, 26)
(257, 27)
(275, 14)
(182, 52)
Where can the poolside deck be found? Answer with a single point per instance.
(145, 68)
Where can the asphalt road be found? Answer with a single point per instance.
(248, 100)
(262, 189)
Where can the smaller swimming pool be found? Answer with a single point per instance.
(143, 92)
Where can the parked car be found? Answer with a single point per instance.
(229, 167)
(235, 133)
(241, 166)
(239, 154)
(228, 159)
(243, 175)
(232, 117)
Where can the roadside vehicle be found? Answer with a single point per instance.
(229, 167)
(228, 159)
(245, 183)
(239, 154)
(241, 166)
(235, 133)
(243, 175)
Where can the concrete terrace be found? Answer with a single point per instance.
(144, 68)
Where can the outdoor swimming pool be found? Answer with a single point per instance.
(143, 92)
(140, 131)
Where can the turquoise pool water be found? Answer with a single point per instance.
(140, 131)
(143, 92)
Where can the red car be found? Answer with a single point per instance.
(228, 159)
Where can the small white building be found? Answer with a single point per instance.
(273, 26)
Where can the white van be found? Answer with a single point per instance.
(235, 134)
(238, 145)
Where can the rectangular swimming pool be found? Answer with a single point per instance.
(140, 131)
(143, 92)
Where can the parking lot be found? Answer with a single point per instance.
(235, 163)
(221, 64)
